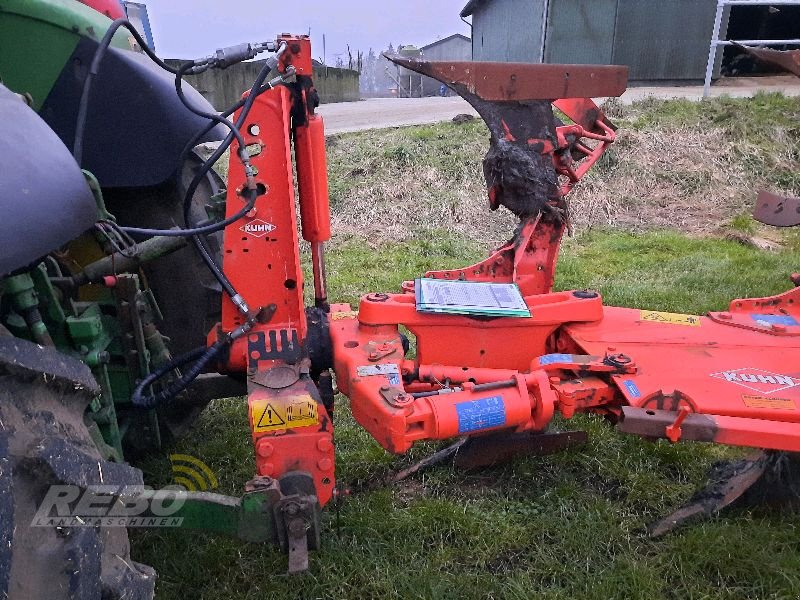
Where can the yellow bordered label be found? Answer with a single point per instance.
(669, 318)
(350, 314)
(274, 414)
(764, 402)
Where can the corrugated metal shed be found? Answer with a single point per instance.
(507, 30)
(581, 32)
(657, 39)
(667, 39)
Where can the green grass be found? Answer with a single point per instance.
(672, 272)
(765, 138)
(567, 526)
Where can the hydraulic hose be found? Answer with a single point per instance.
(249, 192)
(255, 91)
(198, 241)
(214, 117)
(80, 128)
(227, 113)
(202, 356)
(250, 196)
(246, 104)
(102, 47)
(83, 108)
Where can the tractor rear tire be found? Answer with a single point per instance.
(44, 441)
(188, 295)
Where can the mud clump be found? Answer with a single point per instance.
(523, 181)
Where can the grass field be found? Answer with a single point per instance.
(566, 526)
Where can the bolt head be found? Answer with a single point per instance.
(324, 444)
(325, 464)
(265, 449)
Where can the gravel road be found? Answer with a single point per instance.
(377, 113)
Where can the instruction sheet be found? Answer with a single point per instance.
(470, 298)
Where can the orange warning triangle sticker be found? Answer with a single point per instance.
(270, 418)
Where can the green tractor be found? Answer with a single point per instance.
(95, 141)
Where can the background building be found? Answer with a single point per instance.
(453, 47)
(657, 39)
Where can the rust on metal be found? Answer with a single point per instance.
(653, 423)
(488, 450)
(518, 166)
(502, 81)
(788, 60)
(778, 211)
(515, 100)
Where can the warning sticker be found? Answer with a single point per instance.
(764, 402)
(273, 414)
(669, 318)
(379, 369)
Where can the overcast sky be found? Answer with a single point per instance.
(193, 28)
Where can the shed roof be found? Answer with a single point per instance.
(447, 39)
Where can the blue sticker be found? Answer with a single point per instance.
(549, 359)
(633, 390)
(481, 414)
(775, 319)
(394, 379)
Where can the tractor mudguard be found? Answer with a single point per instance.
(136, 126)
(46, 201)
